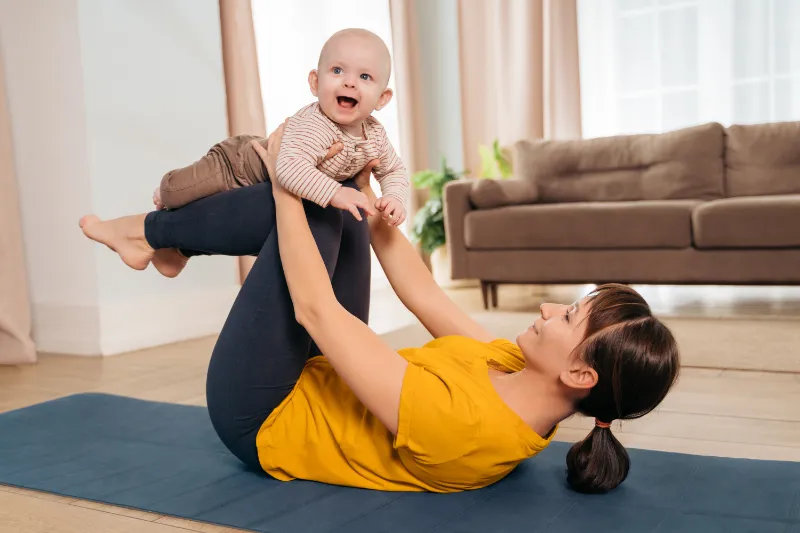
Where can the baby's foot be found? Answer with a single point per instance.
(169, 262)
(123, 235)
(157, 199)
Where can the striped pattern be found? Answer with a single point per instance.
(309, 134)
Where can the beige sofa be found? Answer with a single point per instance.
(702, 205)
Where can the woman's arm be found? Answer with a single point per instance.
(372, 370)
(413, 282)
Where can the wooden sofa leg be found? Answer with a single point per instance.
(485, 294)
(494, 295)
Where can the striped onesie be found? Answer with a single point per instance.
(301, 165)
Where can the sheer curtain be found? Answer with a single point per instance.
(657, 65)
(519, 72)
(289, 37)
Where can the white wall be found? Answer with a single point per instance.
(105, 97)
(437, 28)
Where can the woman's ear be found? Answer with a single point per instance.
(313, 81)
(386, 97)
(580, 376)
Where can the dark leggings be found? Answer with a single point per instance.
(262, 350)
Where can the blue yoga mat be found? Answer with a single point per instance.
(167, 459)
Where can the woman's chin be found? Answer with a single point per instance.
(526, 337)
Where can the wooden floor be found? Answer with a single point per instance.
(711, 411)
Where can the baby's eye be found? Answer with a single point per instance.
(366, 77)
(337, 70)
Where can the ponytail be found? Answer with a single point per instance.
(597, 464)
(636, 359)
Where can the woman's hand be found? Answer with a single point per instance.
(270, 157)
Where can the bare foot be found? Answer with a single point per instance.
(157, 199)
(169, 262)
(123, 235)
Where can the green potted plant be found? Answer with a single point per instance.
(495, 161)
(428, 224)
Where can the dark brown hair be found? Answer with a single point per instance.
(636, 360)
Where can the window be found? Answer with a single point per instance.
(658, 65)
(289, 37)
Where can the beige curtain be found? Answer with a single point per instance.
(411, 112)
(414, 139)
(519, 72)
(242, 83)
(16, 345)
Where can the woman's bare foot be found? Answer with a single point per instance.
(123, 235)
(169, 262)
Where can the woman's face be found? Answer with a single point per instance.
(548, 344)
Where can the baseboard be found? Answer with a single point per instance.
(131, 324)
(66, 329)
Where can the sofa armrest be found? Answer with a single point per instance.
(456, 206)
(491, 193)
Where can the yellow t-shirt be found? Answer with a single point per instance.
(454, 432)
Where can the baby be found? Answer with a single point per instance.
(350, 82)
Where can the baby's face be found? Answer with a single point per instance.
(351, 80)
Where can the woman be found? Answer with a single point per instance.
(459, 413)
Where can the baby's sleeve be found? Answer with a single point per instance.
(306, 141)
(391, 172)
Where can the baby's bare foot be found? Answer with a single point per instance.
(169, 262)
(123, 235)
(157, 199)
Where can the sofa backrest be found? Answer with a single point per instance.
(762, 159)
(681, 164)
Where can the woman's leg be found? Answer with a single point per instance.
(351, 277)
(262, 350)
(234, 222)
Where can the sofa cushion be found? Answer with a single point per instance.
(491, 193)
(754, 222)
(682, 164)
(762, 159)
(645, 224)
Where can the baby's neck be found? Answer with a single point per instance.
(356, 130)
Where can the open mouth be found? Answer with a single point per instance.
(346, 102)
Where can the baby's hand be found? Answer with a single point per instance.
(392, 209)
(349, 199)
(157, 199)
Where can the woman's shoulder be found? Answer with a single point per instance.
(444, 350)
(499, 352)
(449, 341)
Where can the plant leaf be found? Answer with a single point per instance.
(488, 165)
